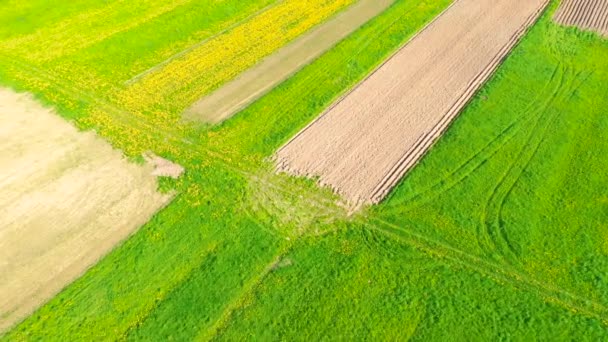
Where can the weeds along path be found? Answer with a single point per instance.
(223, 58)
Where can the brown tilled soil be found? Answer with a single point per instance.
(586, 14)
(66, 199)
(255, 82)
(370, 138)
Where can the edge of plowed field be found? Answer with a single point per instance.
(426, 142)
(374, 70)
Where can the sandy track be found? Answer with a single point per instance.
(586, 14)
(66, 198)
(364, 144)
(255, 82)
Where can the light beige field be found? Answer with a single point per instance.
(365, 143)
(258, 80)
(586, 14)
(66, 198)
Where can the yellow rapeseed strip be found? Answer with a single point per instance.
(195, 74)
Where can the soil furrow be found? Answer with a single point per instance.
(591, 15)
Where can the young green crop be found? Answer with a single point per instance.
(498, 234)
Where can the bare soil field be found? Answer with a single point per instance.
(366, 142)
(586, 14)
(255, 82)
(66, 199)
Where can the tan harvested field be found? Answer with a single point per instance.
(586, 14)
(255, 82)
(66, 199)
(366, 142)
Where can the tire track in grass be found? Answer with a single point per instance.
(500, 273)
(492, 216)
(129, 119)
(485, 233)
(248, 291)
(338, 154)
(479, 158)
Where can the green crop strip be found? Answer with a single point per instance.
(499, 233)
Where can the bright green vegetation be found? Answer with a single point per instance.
(500, 232)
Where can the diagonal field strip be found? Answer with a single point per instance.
(197, 45)
(586, 14)
(202, 70)
(255, 82)
(456, 256)
(366, 142)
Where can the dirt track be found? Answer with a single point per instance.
(364, 144)
(255, 82)
(66, 199)
(587, 14)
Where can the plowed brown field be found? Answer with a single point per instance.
(370, 138)
(587, 14)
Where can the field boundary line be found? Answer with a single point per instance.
(179, 54)
(229, 99)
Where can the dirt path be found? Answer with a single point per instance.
(366, 142)
(589, 15)
(255, 82)
(66, 199)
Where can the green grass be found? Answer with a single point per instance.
(361, 285)
(124, 55)
(499, 234)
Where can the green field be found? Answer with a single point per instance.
(500, 233)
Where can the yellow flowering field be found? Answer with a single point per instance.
(222, 58)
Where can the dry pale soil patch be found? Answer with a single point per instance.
(66, 199)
